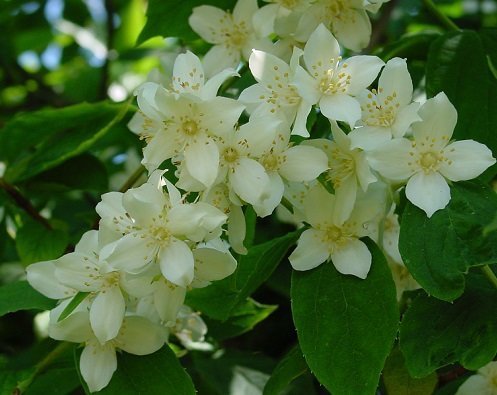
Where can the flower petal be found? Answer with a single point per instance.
(97, 365)
(396, 81)
(249, 180)
(311, 251)
(177, 263)
(130, 253)
(340, 107)
(208, 21)
(140, 336)
(321, 50)
(355, 35)
(303, 163)
(188, 74)
(168, 298)
(429, 192)
(352, 258)
(212, 264)
(391, 160)
(466, 159)
(107, 313)
(78, 271)
(439, 118)
(41, 276)
(202, 161)
(363, 70)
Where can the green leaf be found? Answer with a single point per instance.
(35, 142)
(413, 47)
(221, 370)
(170, 18)
(438, 250)
(219, 299)
(346, 326)
(288, 369)
(242, 319)
(83, 172)
(435, 333)
(34, 242)
(398, 381)
(75, 302)
(20, 296)
(468, 83)
(157, 373)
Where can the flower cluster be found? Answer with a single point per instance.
(124, 285)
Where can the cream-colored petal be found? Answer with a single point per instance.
(140, 336)
(303, 163)
(311, 251)
(439, 118)
(396, 81)
(177, 263)
(363, 70)
(429, 192)
(466, 159)
(202, 161)
(340, 107)
(392, 159)
(321, 51)
(249, 180)
(352, 258)
(107, 313)
(212, 264)
(354, 31)
(188, 74)
(168, 298)
(97, 365)
(207, 21)
(237, 229)
(41, 276)
(78, 271)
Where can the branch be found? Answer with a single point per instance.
(24, 203)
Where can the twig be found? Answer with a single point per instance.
(133, 178)
(104, 83)
(435, 12)
(490, 274)
(24, 203)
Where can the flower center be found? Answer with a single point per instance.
(160, 234)
(111, 279)
(335, 9)
(271, 162)
(378, 113)
(334, 81)
(189, 127)
(230, 155)
(429, 161)
(342, 166)
(335, 237)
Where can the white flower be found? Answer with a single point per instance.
(284, 161)
(239, 166)
(387, 112)
(232, 34)
(157, 228)
(331, 82)
(484, 382)
(273, 95)
(98, 362)
(328, 239)
(347, 19)
(430, 159)
(348, 170)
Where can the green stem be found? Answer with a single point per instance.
(24, 203)
(133, 178)
(42, 365)
(490, 274)
(435, 12)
